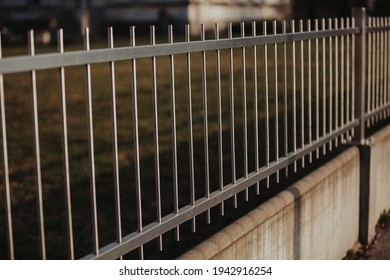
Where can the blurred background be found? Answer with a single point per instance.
(46, 16)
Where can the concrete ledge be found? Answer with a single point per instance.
(316, 218)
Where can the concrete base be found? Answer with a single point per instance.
(316, 218)
(379, 178)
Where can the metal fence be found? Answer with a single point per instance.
(300, 91)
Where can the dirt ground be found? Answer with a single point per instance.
(379, 249)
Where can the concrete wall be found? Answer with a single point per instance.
(316, 218)
(379, 178)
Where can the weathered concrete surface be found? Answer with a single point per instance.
(316, 218)
(379, 177)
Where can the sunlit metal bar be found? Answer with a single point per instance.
(386, 88)
(294, 95)
(330, 84)
(5, 167)
(255, 108)
(232, 115)
(382, 59)
(190, 127)
(285, 96)
(174, 132)
(205, 122)
(342, 80)
(79, 58)
(156, 136)
(377, 82)
(317, 87)
(336, 83)
(369, 71)
(373, 81)
(371, 61)
(65, 150)
(37, 153)
(374, 71)
(92, 176)
(387, 64)
(324, 85)
(137, 171)
(276, 101)
(302, 93)
(353, 78)
(219, 113)
(244, 108)
(377, 111)
(118, 218)
(348, 79)
(309, 58)
(267, 134)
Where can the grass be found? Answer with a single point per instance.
(21, 151)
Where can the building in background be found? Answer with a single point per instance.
(193, 12)
(16, 16)
(45, 16)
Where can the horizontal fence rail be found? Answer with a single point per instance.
(130, 143)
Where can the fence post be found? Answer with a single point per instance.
(360, 73)
(359, 136)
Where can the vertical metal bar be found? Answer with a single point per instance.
(205, 122)
(156, 136)
(373, 70)
(244, 109)
(348, 82)
(275, 31)
(324, 85)
(174, 137)
(336, 83)
(353, 70)
(65, 150)
(136, 143)
(190, 128)
(302, 95)
(232, 121)
(381, 68)
(342, 80)
(294, 93)
(41, 222)
(386, 54)
(377, 48)
(388, 66)
(285, 97)
(317, 88)
(219, 113)
(267, 136)
(360, 77)
(5, 168)
(255, 107)
(330, 84)
(310, 90)
(369, 70)
(115, 143)
(91, 149)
